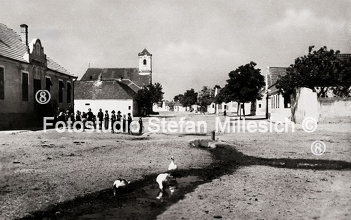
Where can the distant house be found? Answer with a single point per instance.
(25, 69)
(279, 106)
(113, 88)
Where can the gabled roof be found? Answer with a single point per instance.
(11, 46)
(102, 90)
(274, 74)
(144, 52)
(122, 74)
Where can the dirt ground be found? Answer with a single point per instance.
(257, 176)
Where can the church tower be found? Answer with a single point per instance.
(145, 63)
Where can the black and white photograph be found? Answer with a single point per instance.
(175, 109)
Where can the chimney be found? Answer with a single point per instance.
(24, 33)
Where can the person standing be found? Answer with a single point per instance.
(129, 122)
(124, 123)
(106, 119)
(113, 121)
(84, 120)
(119, 119)
(79, 120)
(140, 125)
(100, 117)
(90, 117)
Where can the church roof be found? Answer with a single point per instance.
(144, 52)
(129, 76)
(11, 46)
(102, 90)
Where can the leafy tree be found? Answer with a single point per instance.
(344, 85)
(190, 98)
(244, 85)
(148, 95)
(179, 98)
(318, 70)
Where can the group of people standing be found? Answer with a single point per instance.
(117, 122)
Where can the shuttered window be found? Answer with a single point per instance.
(61, 86)
(69, 89)
(25, 86)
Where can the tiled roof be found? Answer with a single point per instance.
(102, 90)
(131, 74)
(11, 46)
(51, 64)
(274, 74)
(144, 52)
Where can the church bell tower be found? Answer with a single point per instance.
(145, 63)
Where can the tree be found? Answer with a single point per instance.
(244, 85)
(148, 95)
(318, 70)
(179, 98)
(344, 85)
(190, 98)
(205, 98)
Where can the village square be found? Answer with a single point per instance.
(175, 110)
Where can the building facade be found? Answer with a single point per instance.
(25, 69)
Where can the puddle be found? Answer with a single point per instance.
(145, 202)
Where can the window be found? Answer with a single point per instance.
(48, 83)
(2, 83)
(25, 86)
(144, 61)
(87, 103)
(69, 89)
(90, 77)
(61, 87)
(287, 101)
(259, 105)
(129, 107)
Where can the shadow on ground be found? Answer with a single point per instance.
(139, 201)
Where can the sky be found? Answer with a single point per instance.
(193, 43)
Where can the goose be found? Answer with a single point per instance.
(165, 179)
(119, 184)
(172, 165)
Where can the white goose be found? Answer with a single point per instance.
(119, 184)
(165, 179)
(172, 165)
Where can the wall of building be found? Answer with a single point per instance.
(277, 111)
(12, 102)
(125, 106)
(16, 113)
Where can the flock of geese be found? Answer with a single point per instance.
(163, 180)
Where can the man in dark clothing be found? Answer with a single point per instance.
(129, 122)
(100, 116)
(90, 117)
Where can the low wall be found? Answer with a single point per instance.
(334, 109)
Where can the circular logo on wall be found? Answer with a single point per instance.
(42, 96)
